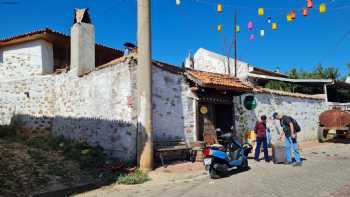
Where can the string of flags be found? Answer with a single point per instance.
(290, 16)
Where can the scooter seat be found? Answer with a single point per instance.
(216, 146)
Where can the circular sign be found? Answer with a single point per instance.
(204, 110)
(249, 102)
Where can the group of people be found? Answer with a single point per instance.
(290, 128)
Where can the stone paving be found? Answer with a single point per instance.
(325, 172)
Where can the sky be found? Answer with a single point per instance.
(180, 29)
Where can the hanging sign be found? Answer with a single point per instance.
(250, 102)
(204, 110)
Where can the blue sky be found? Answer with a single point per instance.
(176, 30)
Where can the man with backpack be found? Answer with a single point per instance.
(290, 130)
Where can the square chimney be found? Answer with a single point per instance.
(82, 43)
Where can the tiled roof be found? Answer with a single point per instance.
(283, 93)
(217, 81)
(46, 34)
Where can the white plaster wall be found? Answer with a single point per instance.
(26, 59)
(305, 111)
(173, 111)
(212, 62)
(96, 108)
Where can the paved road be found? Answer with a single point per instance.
(326, 172)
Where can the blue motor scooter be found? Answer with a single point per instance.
(219, 160)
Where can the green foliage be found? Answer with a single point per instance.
(319, 72)
(88, 157)
(133, 178)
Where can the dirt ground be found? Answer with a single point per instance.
(29, 167)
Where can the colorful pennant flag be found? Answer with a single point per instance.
(261, 11)
(250, 25)
(219, 27)
(219, 8)
(322, 8)
(274, 26)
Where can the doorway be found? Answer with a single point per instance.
(224, 117)
(212, 116)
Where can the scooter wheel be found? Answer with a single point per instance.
(213, 173)
(244, 165)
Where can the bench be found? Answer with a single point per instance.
(163, 149)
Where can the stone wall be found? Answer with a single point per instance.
(173, 110)
(25, 60)
(30, 99)
(100, 107)
(97, 108)
(305, 111)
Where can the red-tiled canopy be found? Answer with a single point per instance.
(217, 81)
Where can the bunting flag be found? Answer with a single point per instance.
(289, 18)
(293, 14)
(178, 2)
(251, 37)
(250, 25)
(261, 11)
(305, 11)
(309, 4)
(269, 19)
(219, 27)
(219, 8)
(274, 26)
(262, 33)
(238, 28)
(322, 8)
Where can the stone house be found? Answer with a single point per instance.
(71, 86)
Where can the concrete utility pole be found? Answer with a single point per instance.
(144, 86)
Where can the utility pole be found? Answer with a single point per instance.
(235, 42)
(144, 86)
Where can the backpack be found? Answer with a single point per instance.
(295, 124)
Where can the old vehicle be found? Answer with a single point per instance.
(334, 123)
(221, 159)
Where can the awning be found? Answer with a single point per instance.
(217, 81)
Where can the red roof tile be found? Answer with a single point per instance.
(217, 81)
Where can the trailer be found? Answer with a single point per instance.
(334, 123)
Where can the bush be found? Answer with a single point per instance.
(133, 178)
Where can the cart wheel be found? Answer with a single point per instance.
(322, 134)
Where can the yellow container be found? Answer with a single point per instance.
(261, 11)
(219, 8)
